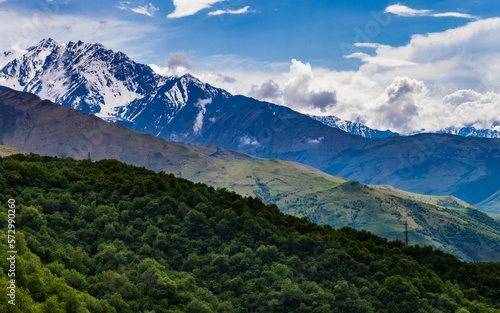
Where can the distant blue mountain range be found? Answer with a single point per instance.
(362, 130)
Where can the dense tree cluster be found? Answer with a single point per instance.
(108, 237)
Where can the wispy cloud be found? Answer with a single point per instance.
(148, 9)
(380, 61)
(455, 14)
(239, 11)
(189, 7)
(403, 10)
(368, 45)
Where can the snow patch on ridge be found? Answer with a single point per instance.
(9, 56)
(316, 140)
(248, 140)
(198, 124)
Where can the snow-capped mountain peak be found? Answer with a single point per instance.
(96, 80)
(471, 131)
(74, 74)
(353, 127)
(362, 130)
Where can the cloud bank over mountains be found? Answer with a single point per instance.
(437, 80)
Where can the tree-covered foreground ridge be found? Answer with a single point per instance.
(109, 237)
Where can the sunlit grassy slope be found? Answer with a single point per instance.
(442, 221)
(6, 151)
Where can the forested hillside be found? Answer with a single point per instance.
(109, 237)
(46, 128)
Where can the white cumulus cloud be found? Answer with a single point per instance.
(437, 80)
(456, 59)
(399, 106)
(189, 7)
(300, 90)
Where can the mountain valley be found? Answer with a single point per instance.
(183, 109)
(45, 128)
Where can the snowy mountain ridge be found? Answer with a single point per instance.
(362, 130)
(108, 84)
(98, 81)
(353, 127)
(471, 131)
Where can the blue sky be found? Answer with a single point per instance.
(368, 61)
(315, 31)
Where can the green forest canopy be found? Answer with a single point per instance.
(109, 237)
